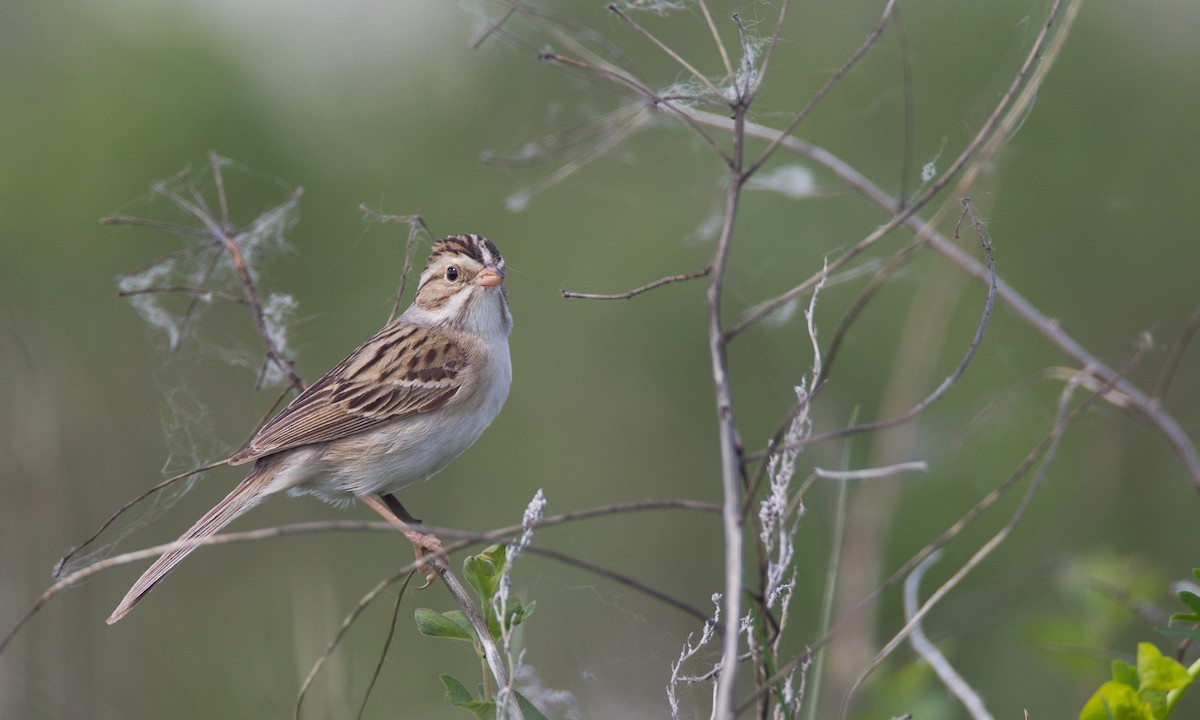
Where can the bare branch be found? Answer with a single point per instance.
(625, 580)
(219, 233)
(900, 213)
(1175, 356)
(666, 49)
(930, 653)
(731, 461)
(942, 540)
(769, 52)
(945, 385)
(200, 292)
(387, 643)
(341, 633)
(639, 290)
(62, 562)
(986, 549)
(158, 225)
(716, 36)
(73, 578)
(872, 38)
(873, 473)
(416, 226)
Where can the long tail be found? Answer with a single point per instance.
(246, 495)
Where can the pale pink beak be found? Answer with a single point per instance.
(489, 276)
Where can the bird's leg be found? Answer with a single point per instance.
(394, 505)
(392, 511)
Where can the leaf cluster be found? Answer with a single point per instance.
(485, 573)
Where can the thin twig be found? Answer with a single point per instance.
(491, 28)
(216, 162)
(929, 652)
(186, 324)
(1049, 328)
(942, 540)
(953, 377)
(625, 580)
(872, 473)
(416, 226)
(906, 155)
(387, 643)
(716, 36)
(666, 49)
(855, 57)
(174, 228)
(639, 290)
(731, 461)
(483, 634)
(66, 558)
(341, 633)
(900, 215)
(985, 550)
(761, 75)
(1175, 356)
(200, 292)
(73, 578)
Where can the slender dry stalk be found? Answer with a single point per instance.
(929, 652)
(73, 578)
(639, 290)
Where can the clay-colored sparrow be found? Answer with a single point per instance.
(396, 411)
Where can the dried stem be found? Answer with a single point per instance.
(639, 290)
(922, 645)
(667, 50)
(341, 633)
(914, 618)
(954, 530)
(249, 290)
(858, 54)
(953, 377)
(483, 634)
(387, 643)
(1175, 356)
(75, 577)
(200, 292)
(416, 227)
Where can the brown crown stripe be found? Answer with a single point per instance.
(476, 247)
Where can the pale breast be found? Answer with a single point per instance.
(413, 448)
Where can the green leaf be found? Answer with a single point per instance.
(1157, 702)
(456, 692)
(1115, 701)
(1157, 673)
(516, 612)
(459, 696)
(1183, 632)
(483, 571)
(435, 624)
(1125, 673)
(527, 708)
(1191, 599)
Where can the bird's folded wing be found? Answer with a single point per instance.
(403, 369)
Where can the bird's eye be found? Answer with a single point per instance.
(451, 273)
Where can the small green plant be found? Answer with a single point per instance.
(485, 572)
(1152, 689)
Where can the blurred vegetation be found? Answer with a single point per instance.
(386, 103)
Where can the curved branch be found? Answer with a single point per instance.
(639, 290)
(953, 377)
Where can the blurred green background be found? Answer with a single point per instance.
(1089, 206)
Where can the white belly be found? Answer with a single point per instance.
(403, 452)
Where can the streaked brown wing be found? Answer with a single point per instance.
(404, 369)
